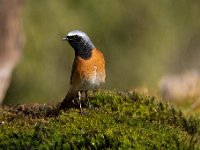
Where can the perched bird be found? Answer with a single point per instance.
(88, 69)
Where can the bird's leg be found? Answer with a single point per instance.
(87, 98)
(73, 100)
(79, 99)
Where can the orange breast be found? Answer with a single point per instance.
(89, 71)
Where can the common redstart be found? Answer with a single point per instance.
(88, 69)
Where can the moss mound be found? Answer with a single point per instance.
(117, 120)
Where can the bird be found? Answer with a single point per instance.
(88, 68)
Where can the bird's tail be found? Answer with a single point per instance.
(67, 101)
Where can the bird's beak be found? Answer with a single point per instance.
(64, 39)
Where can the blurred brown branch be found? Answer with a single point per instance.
(11, 41)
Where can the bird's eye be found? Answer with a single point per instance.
(74, 37)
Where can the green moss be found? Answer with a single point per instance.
(117, 120)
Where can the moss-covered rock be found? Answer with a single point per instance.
(117, 120)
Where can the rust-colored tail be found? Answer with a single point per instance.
(67, 101)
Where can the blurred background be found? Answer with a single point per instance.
(142, 41)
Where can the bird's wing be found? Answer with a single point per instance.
(73, 70)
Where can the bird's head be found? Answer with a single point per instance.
(81, 43)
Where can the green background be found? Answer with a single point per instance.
(141, 40)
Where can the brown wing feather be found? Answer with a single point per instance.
(73, 70)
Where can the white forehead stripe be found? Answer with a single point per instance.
(76, 32)
(86, 40)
